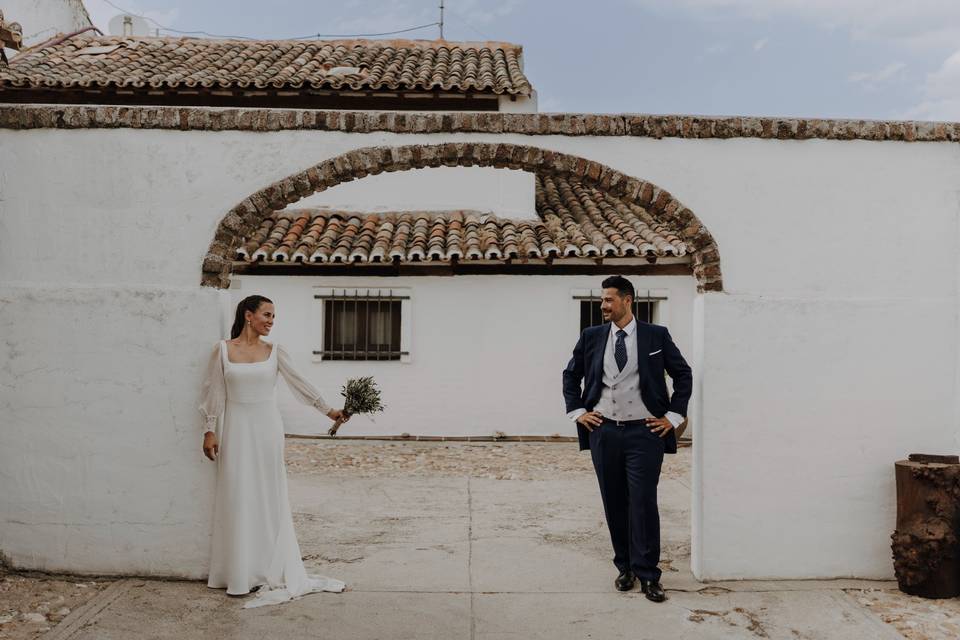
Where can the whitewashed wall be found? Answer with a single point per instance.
(43, 19)
(833, 352)
(518, 104)
(486, 351)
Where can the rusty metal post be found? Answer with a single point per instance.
(926, 543)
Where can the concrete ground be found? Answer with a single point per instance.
(440, 555)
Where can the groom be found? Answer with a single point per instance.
(627, 420)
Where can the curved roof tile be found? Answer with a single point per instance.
(574, 220)
(353, 65)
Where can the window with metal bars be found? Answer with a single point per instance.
(362, 327)
(645, 309)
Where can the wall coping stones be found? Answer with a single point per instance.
(18, 117)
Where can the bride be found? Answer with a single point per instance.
(254, 544)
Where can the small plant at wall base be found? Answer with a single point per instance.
(361, 395)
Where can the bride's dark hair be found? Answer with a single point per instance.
(251, 304)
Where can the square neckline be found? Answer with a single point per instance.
(226, 354)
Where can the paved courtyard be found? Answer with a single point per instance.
(468, 540)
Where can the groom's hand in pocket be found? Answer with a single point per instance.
(590, 420)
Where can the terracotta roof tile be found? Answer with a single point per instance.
(377, 65)
(574, 221)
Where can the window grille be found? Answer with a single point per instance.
(363, 326)
(645, 308)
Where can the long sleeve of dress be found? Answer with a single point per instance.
(301, 388)
(214, 394)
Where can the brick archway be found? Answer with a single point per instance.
(245, 217)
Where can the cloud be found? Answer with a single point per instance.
(941, 93)
(871, 79)
(918, 23)
(715, 49)
(760, 44)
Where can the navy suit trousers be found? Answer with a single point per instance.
(627, 460)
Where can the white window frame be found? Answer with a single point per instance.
(321, 293)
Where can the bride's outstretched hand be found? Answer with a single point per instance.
(338, 414)
(339, 417)
(210, 445)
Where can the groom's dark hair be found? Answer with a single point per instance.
(623, 286)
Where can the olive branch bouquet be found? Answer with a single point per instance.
(361, 395)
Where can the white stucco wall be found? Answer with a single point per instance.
(518, 104)
(832, 353)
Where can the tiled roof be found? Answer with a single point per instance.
(574, 222)
(376, 65)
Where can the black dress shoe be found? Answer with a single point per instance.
(624, 581)
(653, 590)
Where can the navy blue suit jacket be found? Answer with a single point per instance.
(586, 366)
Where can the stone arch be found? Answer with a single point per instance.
(245, 218)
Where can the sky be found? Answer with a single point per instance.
(877, 59)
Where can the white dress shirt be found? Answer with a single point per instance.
(620, 397)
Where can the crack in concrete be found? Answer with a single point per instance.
(137, 523)
(331, 559)
(473, 620)
(752, 623)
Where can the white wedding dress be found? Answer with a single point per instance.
(253, 538)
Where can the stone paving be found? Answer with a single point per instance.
(420, 565)
(915, 618)
(497, 461)
(31, 604)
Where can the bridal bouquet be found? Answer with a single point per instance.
(361, 396)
